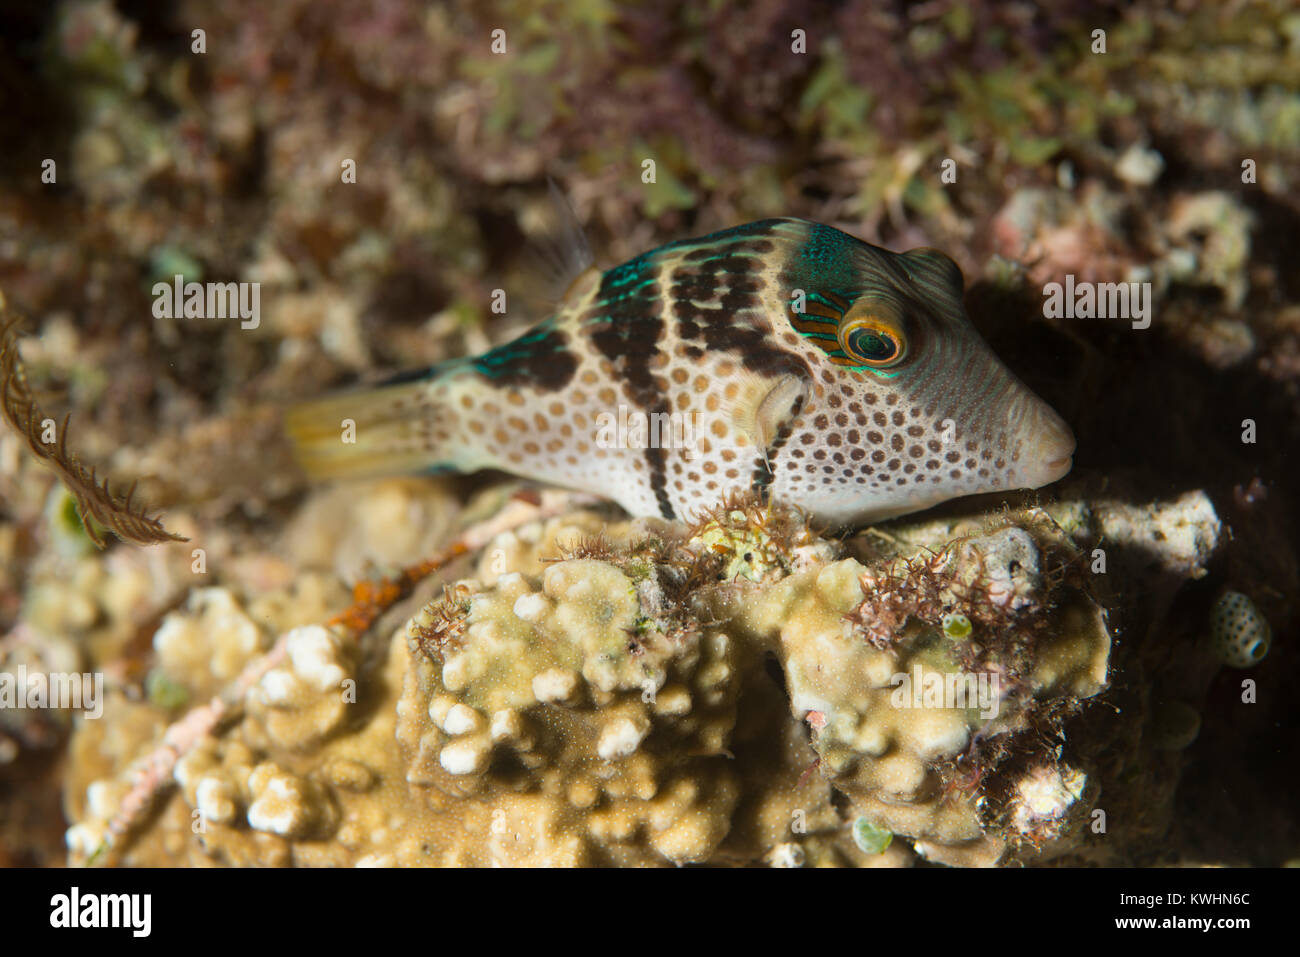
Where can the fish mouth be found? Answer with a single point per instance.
(1053, 445)
(1036, 476)
(1056, 469)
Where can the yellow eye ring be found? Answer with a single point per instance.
(874, 339)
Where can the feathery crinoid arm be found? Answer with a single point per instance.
(97, 504)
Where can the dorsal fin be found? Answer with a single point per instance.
(563, 250)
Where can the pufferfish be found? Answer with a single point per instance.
(781, 356)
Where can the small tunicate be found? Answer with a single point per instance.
(869, 838)
(164, 692)
(956, 627)
(1239, 634)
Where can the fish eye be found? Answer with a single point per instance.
(873, 340)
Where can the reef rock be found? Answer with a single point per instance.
(739, 691)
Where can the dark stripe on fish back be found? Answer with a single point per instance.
(737, 325)
(625, 327)
(540, 358)
(737, 237)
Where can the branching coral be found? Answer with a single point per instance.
(143, 783)
(624, 693)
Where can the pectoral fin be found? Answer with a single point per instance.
(778, 408)
(765, 408)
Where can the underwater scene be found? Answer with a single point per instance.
(568, 433)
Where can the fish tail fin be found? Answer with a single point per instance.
(390, 429)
